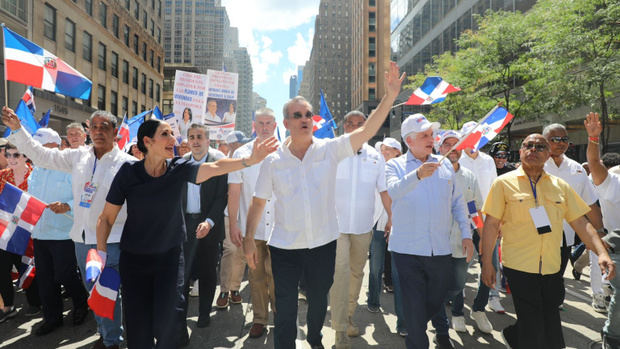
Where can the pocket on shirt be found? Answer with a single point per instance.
(555, 205)
(518, 207)
(369, 171)
(283, 182)
(320, 172)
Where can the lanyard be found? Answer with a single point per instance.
(533, 185)
(94, 168)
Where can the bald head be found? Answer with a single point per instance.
(534, 151)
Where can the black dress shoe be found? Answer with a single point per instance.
(203, 321)
(576, 275)
(79, 315)
(47, 327)
(443, 341)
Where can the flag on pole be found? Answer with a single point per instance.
(28, 98)
(104, 294)
(30, 64)
(481, 133)
(433, 90)
(323, 124)
(134, 124)
(476, 220)
(25, 117)
(45, 120)
(19, 213)
(157, 114)
(123, 134)
(94, 264)
(27, 270)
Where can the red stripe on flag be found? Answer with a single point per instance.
(414, 100)
(33, 211)
(24, 73)
(101, 305)
(451, 89)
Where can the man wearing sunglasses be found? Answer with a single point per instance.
(301, 174)
(3, 162)
(530, 205)
(499, 152)
(575, 175)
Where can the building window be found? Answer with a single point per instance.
(126, 35)
(157, 93)
(124, 105)
(371, 72)
(128, 5)
(101, 97)
(372, 47)
(114, 102)
(103, 14)
(145, 19)
(70, 35)
(49, 22)
(114, 64)
(152, 28)
(87, 47)
(101, 61)
(371, 94)
(16, 8)
(144, 51)
(136, 44)
(115, 25)
(159, 64)
(143, 83)
(134, 108)
(88, 7)
(158, 35)
(372, 22)
(150, 88)
(372, 3)
(136, 12)
(125, 71)
(152, 58)
(134, 78)
(142, 108)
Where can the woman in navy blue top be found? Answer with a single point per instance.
(151, 261)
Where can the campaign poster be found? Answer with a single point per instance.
(221, 108)
(189, 99)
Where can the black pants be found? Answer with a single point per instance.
(318, 266)
(536, 299)
(151, 285)
(565, 252)
(201, 256)
(387, 267)
(56, 265)
(7, 261)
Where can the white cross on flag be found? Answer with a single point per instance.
(19, 213)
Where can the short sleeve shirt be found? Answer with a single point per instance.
(155, 222)
(609, 192)
(510, 199)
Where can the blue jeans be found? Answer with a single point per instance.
(398, 299)
(110, 330)
(377, 257)
(612, 324)
(459, 271)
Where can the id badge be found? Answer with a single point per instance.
(88, 194)
(541, 219)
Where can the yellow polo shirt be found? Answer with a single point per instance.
(510, 200)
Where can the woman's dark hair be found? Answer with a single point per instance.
(147, 129)
(190, 114)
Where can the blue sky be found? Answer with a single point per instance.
(278, 35)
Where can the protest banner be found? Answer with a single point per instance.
(220, 112)
(189, 99)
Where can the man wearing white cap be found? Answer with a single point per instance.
(358, 179)
(53, 248)
(425, 200)
(483, 166)
(466, 181)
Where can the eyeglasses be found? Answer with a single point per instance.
(13, 155)
(538, 147)
(501, 156)
(298, 115)
(559, 139)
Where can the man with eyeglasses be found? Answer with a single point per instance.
(301, 174)
(575, 175)
(499, 152)
(530, 205)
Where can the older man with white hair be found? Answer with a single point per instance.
(425, 200)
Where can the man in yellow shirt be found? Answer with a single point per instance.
(530, 206)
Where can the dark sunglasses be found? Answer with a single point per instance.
(559, 139)
(538, 147)
(13, 155)
(501, 156)
(298, 115)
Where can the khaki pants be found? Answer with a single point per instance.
(261, 285)
(351, 256)
(232, 265)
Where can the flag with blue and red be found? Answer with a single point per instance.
(28, 98)
(104, 294)
(45, 120)
(489, 127)
(433, 90)
(94, 264)
(476, 220)
(19, 213)
(323, 124)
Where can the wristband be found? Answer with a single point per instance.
(593, 139)
(244, 163)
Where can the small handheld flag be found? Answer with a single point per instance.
(45, 120)
(323, 124)
(433, 90)
(28, 98)
(123, 134)
(19, 213)
(104, 294)
(94, 264)
(486, 130)
(476, 220)
(25, 117)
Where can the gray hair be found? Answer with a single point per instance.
(75, 125)
(354, 113)
(552, 127)
(106, 115)
(265, 112)
(296, 99)
(199, 126)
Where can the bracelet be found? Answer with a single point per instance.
(594, 142)
(593, 139)
(244, 163)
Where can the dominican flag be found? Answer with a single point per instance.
(123, 134)
(104, 294)
(19, 213)
(490, 126)
(28, 98)
(476, 220)
(45, 120)
(30, 64)
(94, 264)
(27, 272)
(157, 114)
(25, 117)
(433, 90)
(323, 125)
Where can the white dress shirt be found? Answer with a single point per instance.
(247, 178)
(609, 193)
(575, 175)
(193, 190)
(483, 168)
(358, 179)
(305, 207)
(80, 163)
(466, 181)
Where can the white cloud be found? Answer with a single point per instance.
(262, 59)
(299, 53)
(286, 76)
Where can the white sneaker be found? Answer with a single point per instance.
(598, 303)
(458, 323)
(194, 291)
(482, 323)
(496, 306)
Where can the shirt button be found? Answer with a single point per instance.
(267, 212)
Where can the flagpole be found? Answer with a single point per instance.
(398, 105)
(468, 133)
(6, 90)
